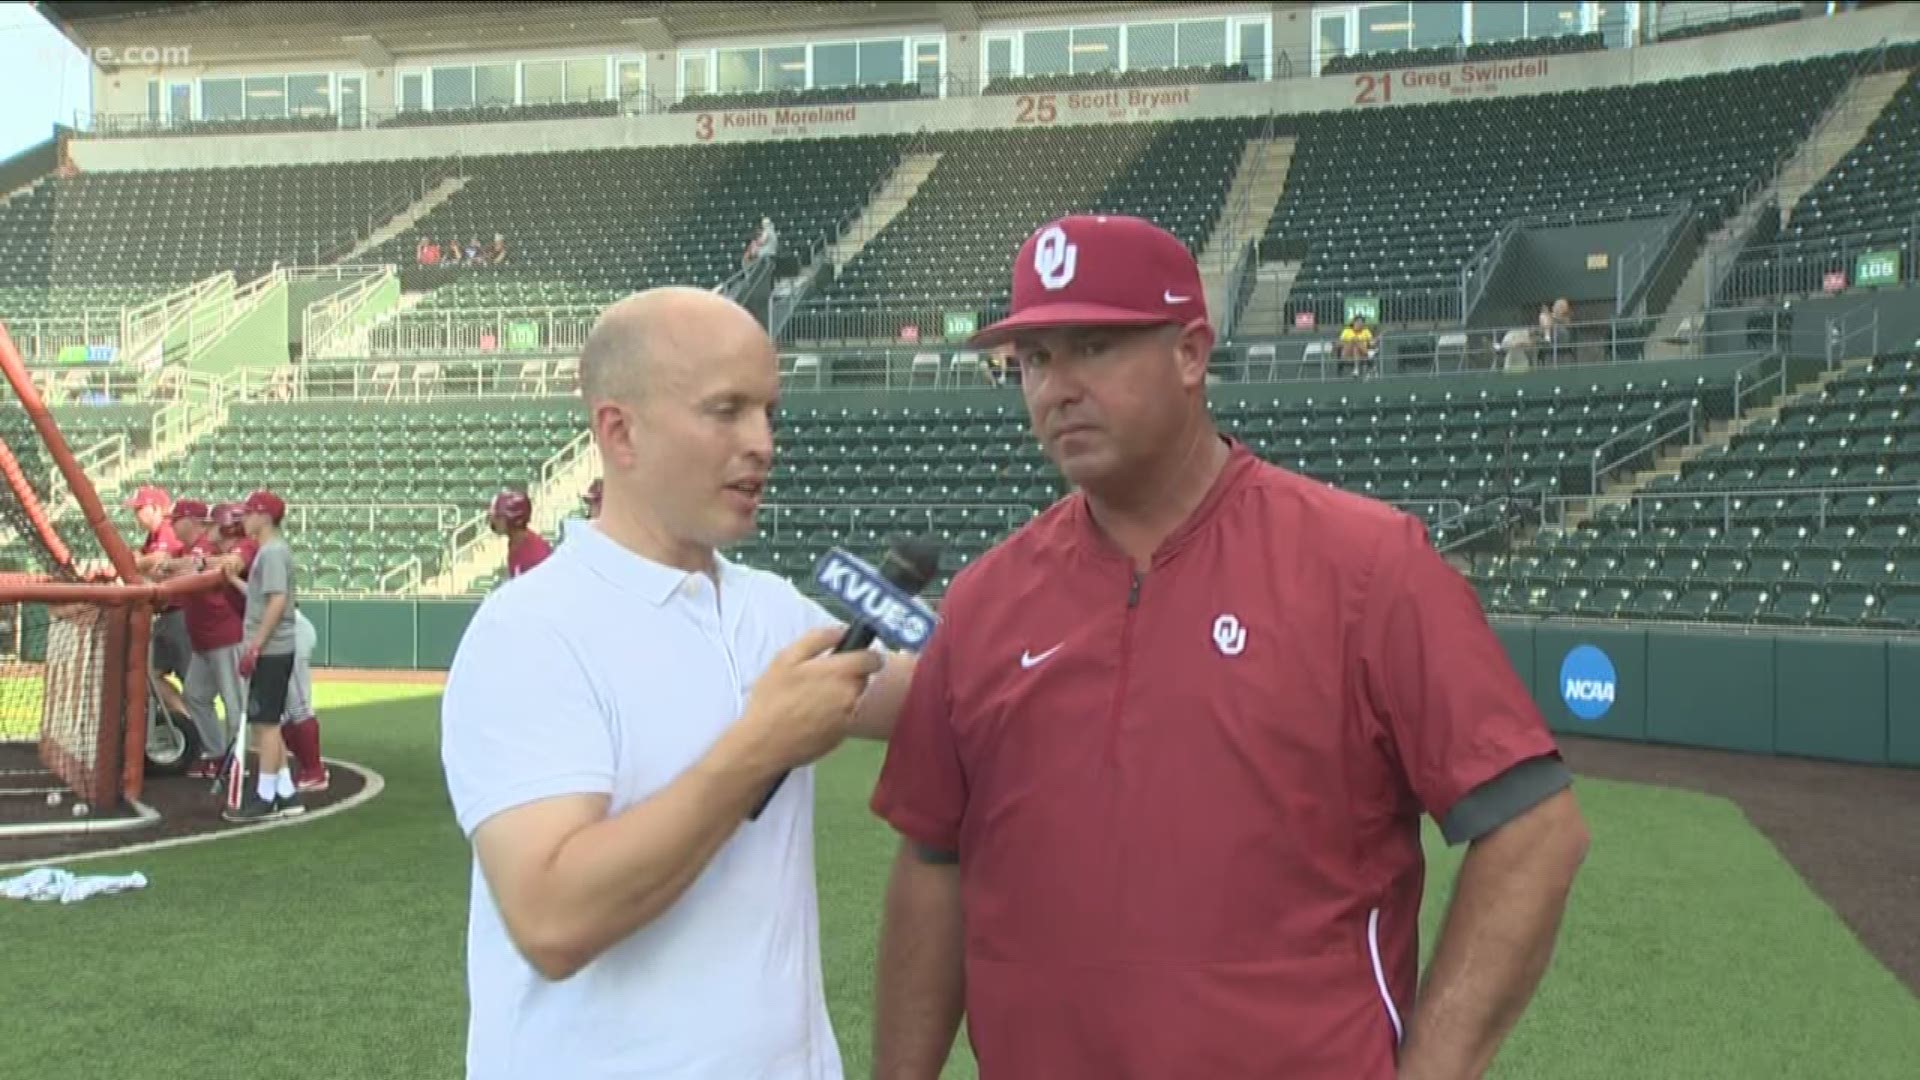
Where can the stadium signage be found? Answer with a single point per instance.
(1462, 80)
(783, 121)
(1588, 682)
(1030, 109)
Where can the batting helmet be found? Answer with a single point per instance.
(230, 519)
(594, 492)
(513, 508)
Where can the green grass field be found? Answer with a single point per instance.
(1692, 949)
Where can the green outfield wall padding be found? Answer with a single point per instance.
(1592, 681)
(441, 624)
(374, 634)
(1903, 702)
(1831, 699)
(1710, 690)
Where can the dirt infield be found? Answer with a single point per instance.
(380, 675)
(186, 808)
(1852, 831)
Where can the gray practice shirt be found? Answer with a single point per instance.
(272, 573)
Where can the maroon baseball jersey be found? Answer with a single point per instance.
(531, 551)
(212, 620)
(1186, 803)
(164, 541)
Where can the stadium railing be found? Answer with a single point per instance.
(464, 376)
(1555, 511)
(1402, 352)
(530, 331)
(1789, 268)
(332, 321)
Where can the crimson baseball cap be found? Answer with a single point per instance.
(191, 509)
(265, 502)
(149, 495)
(1100, 270)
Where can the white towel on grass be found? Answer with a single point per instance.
(46, 885)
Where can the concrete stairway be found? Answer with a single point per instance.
(1858, 106)
(893, 197)
(1718, 434)
(1266, 311)
(1258, 184)
(554, 500)
(405, 219)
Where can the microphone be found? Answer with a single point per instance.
(885, 602)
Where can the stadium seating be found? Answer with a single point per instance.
(1725, 26)
(1391, 202)
(428, 465)
(496, 293)
(948, 249)
(1869, 201)
(1813, 517)
(171, 227)
(503, 114)
(635, 218)
(1433, 55)
(972, 474)
(1117, 80)
(794, 99)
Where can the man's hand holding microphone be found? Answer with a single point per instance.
(802, 706)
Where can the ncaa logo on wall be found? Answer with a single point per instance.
(1587, 682)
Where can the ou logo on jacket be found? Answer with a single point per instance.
(1229, 636)
(1054, 258)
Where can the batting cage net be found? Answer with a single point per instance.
(75, 624)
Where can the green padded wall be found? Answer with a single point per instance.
(374, 634)
(1624, 650)
(1831, 699)
(1710, 690)
(440, 626)
(1903, 702)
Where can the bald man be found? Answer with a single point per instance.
(612, 716)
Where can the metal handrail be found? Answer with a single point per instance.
(1826, 493)
(1602, 467)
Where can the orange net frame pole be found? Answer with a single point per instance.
(37, 514)
(96, 515)
(133, 758)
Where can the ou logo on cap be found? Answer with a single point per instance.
(1229, 636)
(1054, 258)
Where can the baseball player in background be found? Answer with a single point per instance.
(1161, 772)
(169, 651)
(299, 722)
(213, 630)
(511, 516)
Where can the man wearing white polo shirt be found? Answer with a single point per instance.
(613, 715)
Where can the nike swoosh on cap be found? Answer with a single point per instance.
(1172, 299)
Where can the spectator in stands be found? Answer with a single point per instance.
(497, 251)
(452, 250)
(426, 253)
(170, 651)
(1562, 317)
(1356, 344)
(473, 252)
(591, 500)
(1516, 349)
(765, 245)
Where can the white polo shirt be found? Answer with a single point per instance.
(603, 672)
